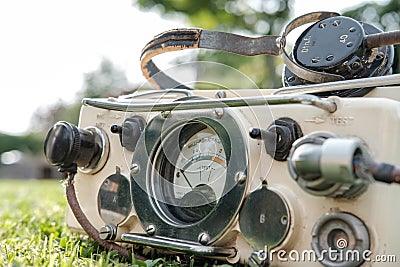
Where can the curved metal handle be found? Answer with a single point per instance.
(179, 246)
(312, 100)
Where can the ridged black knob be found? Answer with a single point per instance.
(65, 144)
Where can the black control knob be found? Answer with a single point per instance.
(66, 144)
(129, 132)
(279, 137)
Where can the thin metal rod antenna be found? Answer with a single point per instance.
(340, 85)
(212, 103)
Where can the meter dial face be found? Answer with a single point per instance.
(191, 175)
(201, 163)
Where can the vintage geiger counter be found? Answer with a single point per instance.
(298, 176)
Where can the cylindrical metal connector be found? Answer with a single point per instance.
(325, 165)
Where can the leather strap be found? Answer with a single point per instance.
(179, 39)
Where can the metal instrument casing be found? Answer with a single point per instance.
(374, 119)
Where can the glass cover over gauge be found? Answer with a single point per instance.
(190, 173)
(185, 180)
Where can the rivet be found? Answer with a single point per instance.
(322, 25)
(352, 29)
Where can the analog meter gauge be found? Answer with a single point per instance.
(188, 185)
(193, 177)
(201, 167)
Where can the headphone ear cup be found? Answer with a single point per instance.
(336, 46)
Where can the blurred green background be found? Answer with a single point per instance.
(33, 213)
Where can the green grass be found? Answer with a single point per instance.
(33, 231)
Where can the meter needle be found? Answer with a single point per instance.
(187, 180)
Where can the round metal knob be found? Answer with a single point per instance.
(66, 144)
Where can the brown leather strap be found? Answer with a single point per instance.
(180, 39)
(173, 40)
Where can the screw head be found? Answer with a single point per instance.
(135, 168)
(284, 220)
(330, 58)
(165, 114)
(108, 232)
(218, 112)
(291, 79)
(151, 229)
(355, 65)
(240, 177)
(336, 23)
(204, 238)
(220, 94)
(315, 60)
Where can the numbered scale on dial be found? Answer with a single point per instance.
(200, 173)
